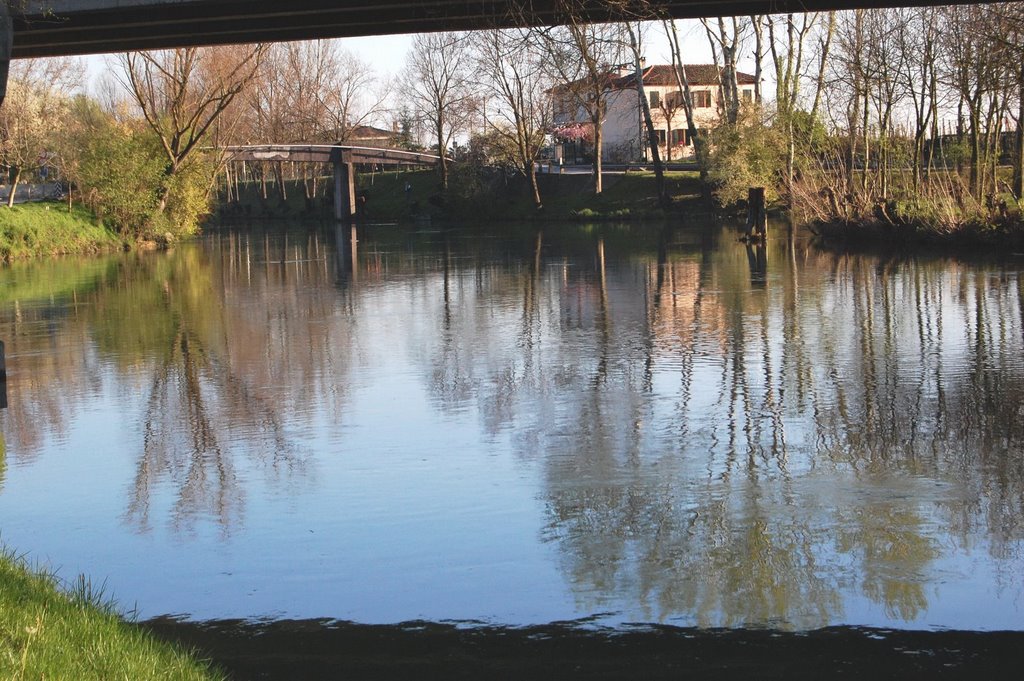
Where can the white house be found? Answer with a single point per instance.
(624, 133)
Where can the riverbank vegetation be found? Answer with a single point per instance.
(899, 122)
(50, 633)
(133, 163)
(896, 124)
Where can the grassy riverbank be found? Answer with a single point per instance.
(46, 633)
(49, 228)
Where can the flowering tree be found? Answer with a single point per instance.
(33, 111)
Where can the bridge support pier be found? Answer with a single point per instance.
(6, 43)
(344, 189)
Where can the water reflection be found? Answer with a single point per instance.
(721, 434)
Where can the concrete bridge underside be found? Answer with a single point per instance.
(45, 28)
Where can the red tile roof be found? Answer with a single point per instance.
(662, 74)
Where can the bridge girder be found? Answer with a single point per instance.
(46, 28)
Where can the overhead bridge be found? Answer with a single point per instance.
(343, 160)
(47, 28)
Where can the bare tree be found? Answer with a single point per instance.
(788, 60)
(1009, 18)
(436, 79)
(974, 71)
(182, 92)
(679, 69)
(584, 58)
(509, 68)
(726, 43)
(645, 109)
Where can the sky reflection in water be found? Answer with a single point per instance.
(542, 426)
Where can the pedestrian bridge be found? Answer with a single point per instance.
(343, 160)
(327, 153)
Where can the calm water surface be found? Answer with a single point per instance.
(522, 428)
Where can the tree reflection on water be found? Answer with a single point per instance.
(724, 435)
(744, 442)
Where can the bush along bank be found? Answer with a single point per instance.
(49, 633)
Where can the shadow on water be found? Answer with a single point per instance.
(296, 650)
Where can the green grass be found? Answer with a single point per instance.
(75, 634)
(49, 228)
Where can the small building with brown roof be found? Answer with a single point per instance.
(623, 127)
(370, 136)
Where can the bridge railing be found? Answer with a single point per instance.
(327, 153)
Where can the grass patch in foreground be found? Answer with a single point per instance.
(49, 634)
(49, 228)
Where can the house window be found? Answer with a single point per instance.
(701, 99)
(678, 137)
(748, 96)
(655, 98)
(661, 137)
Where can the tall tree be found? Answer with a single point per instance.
(973, 69)
(583, 58)
(509, 68)
(437, 80)
(182, 92)
(645, 108)
(679, 69)
(726, 38)
(788, 60)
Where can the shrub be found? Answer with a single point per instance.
(121, 174)
(747, 154)
(119, 178)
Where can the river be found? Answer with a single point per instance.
(522, 425)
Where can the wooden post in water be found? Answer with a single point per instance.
(757, 214)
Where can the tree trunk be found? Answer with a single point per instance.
(819, 82)
(1018, 155)
(531, 175)
(228, 193)
(755, 22)
(442, 163)
(683, 82)
(14, 186)
(975, 135)
(652, 135)
(865, 123)
(598, 143)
